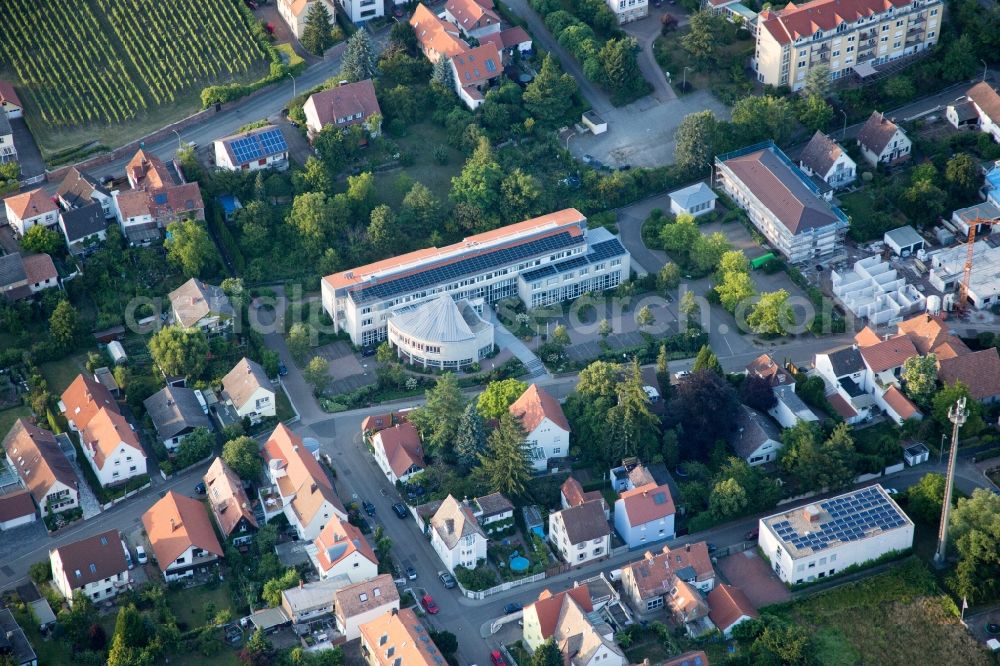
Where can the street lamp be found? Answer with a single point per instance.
(179, 146)
(684, 81)
(292, 76)
(985, 68)
(843, 135)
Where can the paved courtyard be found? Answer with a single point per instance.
(350, 371)
(642, 133)
(749, 572)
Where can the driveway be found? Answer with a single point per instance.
(27, 152)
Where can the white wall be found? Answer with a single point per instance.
(592, 549)
(350, 626)
(467, 555)
(118, 467)
(266, 408)
(355, 566)
(546, 441)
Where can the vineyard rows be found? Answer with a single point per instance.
(63, 53)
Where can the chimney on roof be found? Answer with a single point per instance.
(301, 583)
(811, 513)
(173, 525)
(313, 487)
(395, 611)
(648, 555)
(687, 548)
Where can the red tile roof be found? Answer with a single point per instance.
(535, 405)
(176, 523)
(84, 398)
(305, 477)
(979, 371)
(696, 658)
(647, 503)
(548, 607)
(515, 36)
(799, 21)
(900, 403)
(376, 422)
(39, 461)
(227, 498)
(147, 170)
(888, 354)
(471, 15)
(573, 492)
(436, 37)
(30, 204)
(653, 573)
(39, 268)
(401, 445)
(728, 604)
(764, 367)
(877, 132)
(16, 505)
(841, 406)
(925, 330)
(345, 101)
(8, 95)
(987, 99)
(338, 540)
(477, 65)
(866, 337)
(104, 433)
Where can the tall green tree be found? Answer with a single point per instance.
(312, 218)
(359, 61)
(735, 289)
(243, 457)
(547, 654)
(644, 318)
(384, 232)
(470, 438)
(520, 196)
(478, 185)
(317, 373)
(317, 35)
(179, 351)
(190, 248)
(818, 81)
(925, 498)
(707, 360)
(760, 117)
(498, 396)
(64, 324)
(697, 141)
(830, 465)
(633, 428)
(438, 419)
(701, 428)
(727, 499)
(505, 465)
(961, 173)
(42, 239)
(975, 530)
(549, 97)
(920, 378)
(680, 236)
(771, 315)
(704, 34)
(814, 112)
(130, 644)
(442, 74)
(621, 67)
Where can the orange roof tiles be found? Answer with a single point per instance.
(176, 523)
(535, 405)
(573, 492)
(30, 204)
(8, 95)
(424, 259)
(888, 354)
(304, 477)
(227, 498)
(841, 406)
(900, 403)
(647, 503)
(765, 367)
(39, 268)
(866, 337)
(925, 331)
(338, 540)
(39, 461)
(104, 433)
(84, 398)
(728, 604)
(401, 445)
(654, 573)
(477, 65)
(376, 422)
(979, 371)
(437, 37)
(987, 99)
(471, 15)
(147, 170)
(398, 638)
(548, 607)
(799, 21)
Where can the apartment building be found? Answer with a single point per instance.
(781, 201)
(848, 36)
(544, 260)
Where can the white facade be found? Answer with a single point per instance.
(362, 300)
(467, 552)
(350, 627)
(875, 291)
(294, 13)
(841, 173)
(789, 408)
(97, 591)
(898, 147)
(573, 552)
(793, 40)
(441, 334)
(260, 405)
(123, 464)
(627, 11)
(382, 459)
(547, 440)
(182, 566)
(278, 161)
(795, 564)
(355, 566)
(360, 11)
(696, 200)
(47, 218)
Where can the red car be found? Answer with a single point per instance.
(429, 604)
(497, 659)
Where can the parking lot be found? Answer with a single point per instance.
(749, 572)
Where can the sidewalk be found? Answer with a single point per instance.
(506, 340)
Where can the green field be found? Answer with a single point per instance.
(898, 618)
(437, 177)
(60, 374)
(103, 72)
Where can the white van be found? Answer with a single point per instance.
(128, 556)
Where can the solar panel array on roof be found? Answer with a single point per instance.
(258, 146)
(462, 268)
(852, 518)
(598, 252)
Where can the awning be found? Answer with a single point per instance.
(864, 70)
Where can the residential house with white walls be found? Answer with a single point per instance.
(294, 12)
(729, 606)
(82, 399)
(843, 371)
(647, 581)
(32, 208)
(883, 142)
(196, 304)
(362, 602)
(980, 109)
(571, 494)
(250, 393)
(456, 536)
(300, 488)
(228, 501)
(253, 150)
(181, 536)
(176, 412)
(580, 534)
(494, 513)
(42, 467)
(10, 103)
(645, 515)
(788, 407)
(398, 452)
(474, 72)
(474, 19)
(546, 426)
(756, 439)
(825, 159)
(112, 448)
(342, 550)
(94, 566)
(79, 188)
(567, 618)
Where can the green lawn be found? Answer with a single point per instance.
(866, 439)
(225, 658)
(898, 618)
(437, 177)
(284, 406)
(8, 416)
(189, 604)
(60, 374)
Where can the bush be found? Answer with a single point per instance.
(476, 580)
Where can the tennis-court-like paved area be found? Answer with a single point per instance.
(749, 572)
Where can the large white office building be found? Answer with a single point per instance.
(820, 539)
(545, 260)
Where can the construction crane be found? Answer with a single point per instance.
(963, 289)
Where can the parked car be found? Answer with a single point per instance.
(497, 659)
(411, 573)
(429, 605)
(511, 608)
(200, 488)
(400, 509)
(752, 535)
(892, 491)
(369, 508)
(282, 369)
(369, 350)
(588, 159)
(681, 374)
(447, 580)
(712, 547)
(140, 555)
